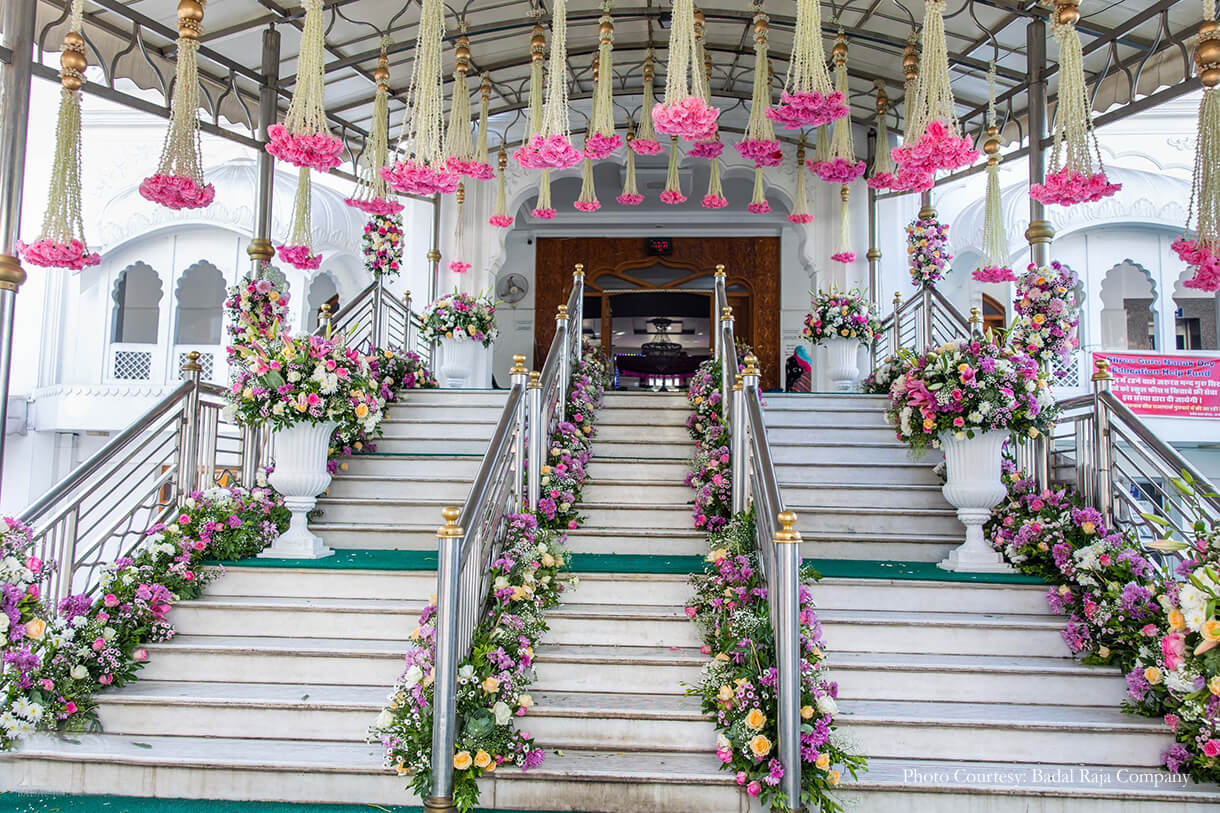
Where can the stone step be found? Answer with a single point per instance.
(448, 443)
(636, 450)
(400, 433)
(417, 483)
(637, 492)
(810, 453)
(635, 469)
(861, 630)
(873, 546)
(829, 401)
(826, 420)
(658, 516)
(414, 412)
(618, 721)
(452, 464)
(453, 398)
(779, 432)
(616, 399)
(637, 541)
(285, 617)
(636, 433)
(902, 595)
(632, 416)
(622, 625)
(626, 669)
(902, 470)
(914, 522)
(388, 511)
(362, 535)
(893, 496)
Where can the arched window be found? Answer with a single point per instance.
(1196, 316)
(1128, 308)
(201, 296)
(137, 305)
(322, 291)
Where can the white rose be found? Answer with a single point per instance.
(827, 705)
(108, 633)
(413, 676)
(79, 672)
(502, 712)
(384, 720)
(3, 623)
(500, 583)
(465, 673)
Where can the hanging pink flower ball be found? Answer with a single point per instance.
(801, 218)
(645, 146)
(994, 274)
(300, 257)
(459, 267)
(627, 199)
(544, 214)
(587, 205)
(691, 119)
(547, 152)
(936, 149)
(320, 151)
(58, 255)
(672, 197)
(759, 208)
(1067, 188)
(375, 206)
(500, 221)
(706, 149)
(763, 152)
(599, 146)
(882, 180)
(836, 170)
(177, 192)
(714, 202)
(798, 110)
(844, 256)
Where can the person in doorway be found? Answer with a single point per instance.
(798, 371)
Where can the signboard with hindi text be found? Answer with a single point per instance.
(1182, 386)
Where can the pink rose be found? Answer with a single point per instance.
(1173, 648)
(110, 600)
(1211, 748)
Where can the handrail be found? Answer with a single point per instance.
(937, 320)
(376, 319)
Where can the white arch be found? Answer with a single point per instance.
(199, 301)
(137, 297)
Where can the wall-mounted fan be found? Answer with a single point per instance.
(511, 288)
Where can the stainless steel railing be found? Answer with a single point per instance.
(376, 318)
(779, 546)
(1102, 449)
(925, 320)
(472, 536)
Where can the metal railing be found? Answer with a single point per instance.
(925, 320)
(472, 536)
(101, 510)
(1118, 464)
(779, 546)
(376, 318)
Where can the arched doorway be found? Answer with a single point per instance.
(995, 317)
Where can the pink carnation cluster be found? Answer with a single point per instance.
(844, 256)
(1066, 188)
(587, 205)
(500, 221)
(628, 199)
(375, 206)
(478, 170)
(598, 146)
(645, 146)
(812, 109)
(58, 255)
(1205, 259)
(714, 202)
(673, 197)
(908, 179)
(802, 218)
(763, 152)
(882, 180)
(759, 208)
(543, 214)
(992, 273)
(547, 152)
(836, 170)
(459, 267)
(300, 257)
(413, 177)
(319, 151)
(177, 191)
(706, 149)
(691, 119)
(938, 148)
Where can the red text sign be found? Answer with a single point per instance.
(1158, 384)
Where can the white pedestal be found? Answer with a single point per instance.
(973, 486)
(300, 475)
(464, 365)
(843, 355)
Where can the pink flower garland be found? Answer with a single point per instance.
(912, 180)
(598, 146)
(763, 152)
(844, 256)
(801, 218)
(714, 202)
(587, 205)
(319, 151)
(1206, 261)
(547, 152)
(500, 221)
(177, 192)
(936, 149)
(645, 146)
(57, 255)
(299, 257)
(459, 267)
(798, 110)
(1066, 188)
(836, 170)
(544, 214)
(672, 197)
(478, 170)
(412, 177)
(375, 206)
(759, 208)
(882, 180)
(706, 149)
(993, 273)
(628, 199)
(691, 119)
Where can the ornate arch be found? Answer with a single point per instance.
(144, 276)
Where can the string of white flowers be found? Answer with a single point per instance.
(1075, 144)
(300, 233)
(843, 247)
(306, 112)
(800, 207)
(910, 89)
(423, 131)
(673, 186)
(821, 146)
(678, 69)
(480, 150)
(715, 188)
(555, 108)
(807, 70)
(587, 201)
(759, 127)
(646, 131)
(700, 61)
(933, 95)
(500, 215)
(459, 143)
(370, 185)
(537, 83)
(544, 191)
(1205, 197)
(883, 161)
(630, 195)
(995, 239)
(602, 120)
(758, 201)
(842, 144)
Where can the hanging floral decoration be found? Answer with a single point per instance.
(587, 201)
(883, 164)
(760, 144)
(426, 172)
(381, 245)
(297, 250)
(61, 243)
(843, 252)
(602, 140)
(808, 100)
(631, 194)
(928, 249)
(993, 265)
(1047, 316)
(936, 143)
(672, 193)
(1072, 179)
(543, 210)
(178, 181)
(908, 179)
(459, 143)
(645, 141)
(841, 166)
(684, 113)
(758, 201)
(501, 218)
(800, 209)
(372, 195)
(304, 139)
(1203, 252)
(480, 168)
(709, 147)
(550, 147)
(459, 243)
(714, 199)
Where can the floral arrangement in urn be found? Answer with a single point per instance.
(255, 310)
(967, 387)
(928, 249)
(838, 315)
(881, 379)
(462, 317)
(381, 245)
(1048, 314)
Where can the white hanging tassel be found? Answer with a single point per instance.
(1203, 252)
(372, 195)
(645, 141)
(297, 250)
(550, 147)
(684, 113)
(304, 139)
(759, 143)
(673, 187)
(543, 210)
(993, 265)
(840, 166)
(459, 144)
(1072, 179)
(843, 252)
(480, 169)
(883, 165)
(758, 203)
(501, 218)
(61, 243)
(178, 181)
(936, 141)
(602, 140)
(714, 199)
(800, 208)
(808, 100)
(587, 202)
(459, 266)
(631, 195)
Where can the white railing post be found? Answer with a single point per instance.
(449, 539)
(537, 434)
(188, 436)
(787, 589)
(737, 437)
(518, 376)
(1102, 453)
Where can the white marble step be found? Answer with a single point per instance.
(653, 516)
(622, 625)
(909, 595)
(405, 509)
(615, 400)
(875, 546)
(474, 443)
(829, 401)
(450, 464)
(632, 416)
(619, 721)
(637, 433)
(640, 449)
(448, 398)
(849, 495)
(361, 535)
(816, 433)
(901, 469)
(815, 453)
(270, 582)
(635, 469)
(413, 412)
(626, 669)
(400, 433)
(355, 618)
(861, 630)
(636, 492)
(864, 519)
(404, 485)
(637, 541)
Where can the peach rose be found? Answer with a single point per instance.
(760, 746)
(1152, 675)
(823, 761)
(36, 628)
(756, 719)
(491, 685)
(1210, 630)
(462, 760)
(482, 759)
(806, 712)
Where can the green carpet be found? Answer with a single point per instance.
(913, 571)
(350, 559)
(60, 803)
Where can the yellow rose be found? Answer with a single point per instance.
(833, 777)
(491, 685)
(482, 759)
(36, 628)
(760, 746)
(548, 560)
(806, 712)
(1088, 528)
(1177, 621)
(362, 410)
(1152, 675)
(756, 719)
(462, 760)
(525, 701)
(1042, 546)
(823, 761)
(273, 295)
(726, 693)
(546, 469)
(1210, 630)
(722, 657)
(1213, 685)
(491, 766)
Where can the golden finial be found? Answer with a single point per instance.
(976, 317)
(190, 19)
(726, 313)
(738, 382)
(787, 535)
(897, 299)
(192, 363)
(561, 312)
(719, 270)
(1102, 370)
(518, 367)
(751, 366)
(580, 270)
(450, 530)
(534, 383)
(1207, 54)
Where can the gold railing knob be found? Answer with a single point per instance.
(580, 270)
(787, 534)
(738, 382)
(751, 365)
(518, 367)
(450, 530)
(1101, 370)
(191, 365)
(897, 299)
(719, 270)
(561, 312)
(726, 313)
(534, 382)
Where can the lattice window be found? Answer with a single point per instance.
(206, 361)
(1067, 375)
(133, 365)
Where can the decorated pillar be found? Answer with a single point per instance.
(260, 249)
(1040, 232)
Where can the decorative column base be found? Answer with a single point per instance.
(439, 804)
(974, 555)
(298, 542)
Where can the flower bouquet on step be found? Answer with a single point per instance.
(881, 379)
(834, 314)
(460, 316)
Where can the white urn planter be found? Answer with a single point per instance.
(300, 475)
(973, 486)
(465, 364)
(844, 363)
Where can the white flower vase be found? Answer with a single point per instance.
(844, 363)
(300, 475)
(973, 486)
(465, 364)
